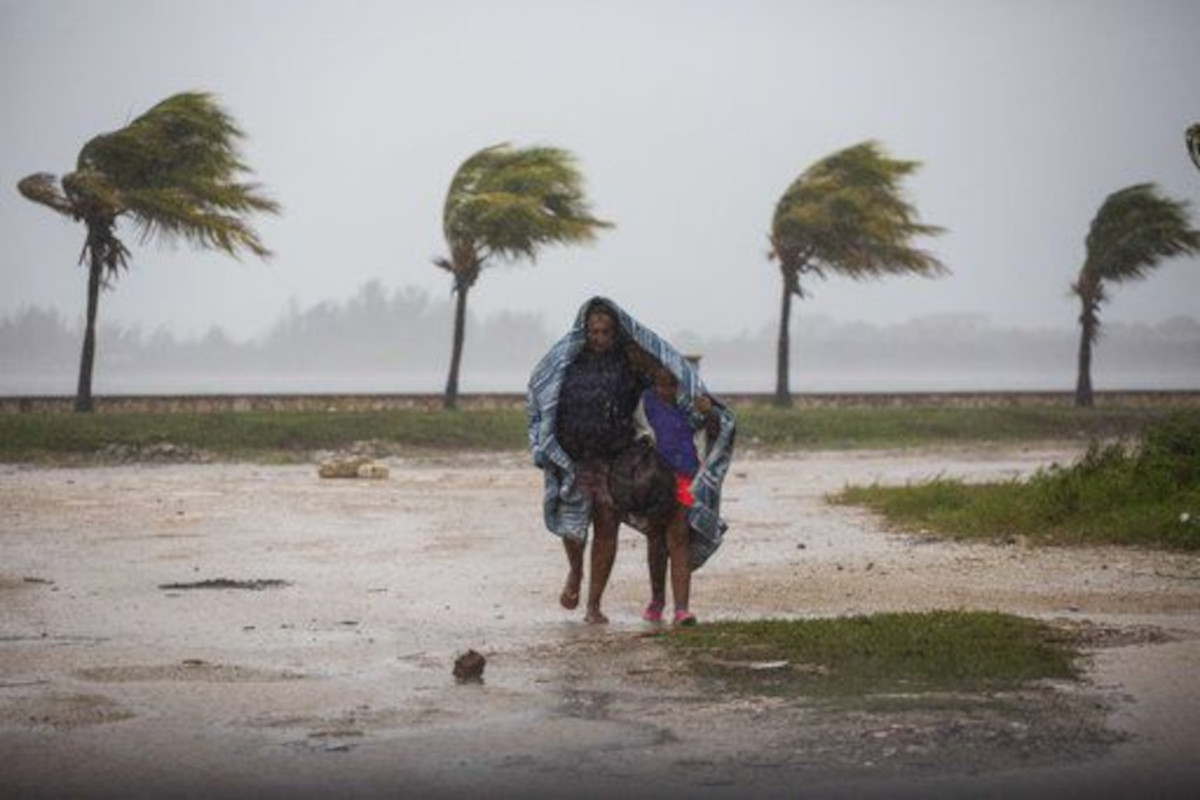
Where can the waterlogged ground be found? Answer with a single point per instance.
(231, 629)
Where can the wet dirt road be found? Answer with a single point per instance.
(337, 679)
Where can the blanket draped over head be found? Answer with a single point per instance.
(567, 509)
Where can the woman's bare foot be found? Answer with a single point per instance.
(595, 617)
(570, 593)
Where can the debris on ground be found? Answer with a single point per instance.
(353, 467)
(254, 585)
(468, 668)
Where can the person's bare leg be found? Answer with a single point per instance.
(604, 553)
(680, 549)
(570, 593)
(656, 563)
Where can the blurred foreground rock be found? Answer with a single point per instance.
(468, 668)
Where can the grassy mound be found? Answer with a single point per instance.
(1142, 494)
(941, 651)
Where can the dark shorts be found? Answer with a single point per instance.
(591, 475)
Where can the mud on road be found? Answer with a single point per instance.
(235, 629)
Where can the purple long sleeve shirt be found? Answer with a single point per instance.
(672, 434)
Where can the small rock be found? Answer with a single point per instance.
(468, 668)
(373, 470)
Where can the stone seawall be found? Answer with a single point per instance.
(205, 403)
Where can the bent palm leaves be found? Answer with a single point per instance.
(505, 204)
(1133, 232)
(173, 172)
(846, 214)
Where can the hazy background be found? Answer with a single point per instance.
(689, 120)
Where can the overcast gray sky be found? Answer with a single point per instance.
(688, 118)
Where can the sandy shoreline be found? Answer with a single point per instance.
(339, 681)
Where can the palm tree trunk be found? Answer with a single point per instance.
(783, 395)
(83, 394)
(1083, 384)
(450, 401)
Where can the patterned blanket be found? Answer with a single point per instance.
(567, 510)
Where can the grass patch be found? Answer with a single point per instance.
(1145, 494)
(241, 434)
(289, 435)
(939, 651)
(771, 428)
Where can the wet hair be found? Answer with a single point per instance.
(601, 307)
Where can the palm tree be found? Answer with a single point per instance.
(506, 203)
(1134, 230)
(172, 172)
(845, 214)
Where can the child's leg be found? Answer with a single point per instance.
(679, 548)
(656, 562)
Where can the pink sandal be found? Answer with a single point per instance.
(653, 612)
(685, 617)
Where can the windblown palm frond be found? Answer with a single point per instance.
(1135, 229)
(174, 173)
(845, 214)
(507, 203)
(42, 187)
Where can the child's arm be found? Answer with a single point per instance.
(641, 424)
(709, 422)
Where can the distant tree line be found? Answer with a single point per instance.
(371, 331)
(393, 341)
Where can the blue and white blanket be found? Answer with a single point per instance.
(567, 509)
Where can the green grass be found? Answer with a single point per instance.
(939, 651)
(771, 428)
(270, 435)
(256, 433)
(1146, 494)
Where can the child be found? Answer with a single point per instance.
(668, 538)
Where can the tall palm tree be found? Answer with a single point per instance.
(845, 214)
(1134, 230)
(173, 172)
(504, 204)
